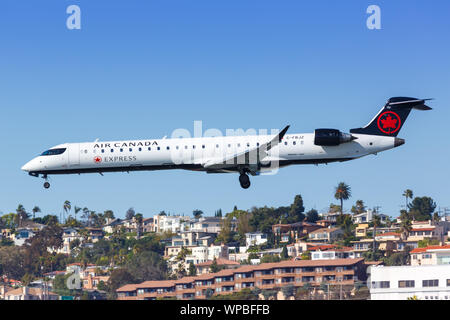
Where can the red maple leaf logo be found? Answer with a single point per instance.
(389, 122)
(97, 159)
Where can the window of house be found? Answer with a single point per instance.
(430, 283)
(406, 284)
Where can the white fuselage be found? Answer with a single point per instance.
(194, 153)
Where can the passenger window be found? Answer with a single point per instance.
(177, 147)
(121, 150)
(193, 147)
(131, 149)
(103, 150)
(112, 150)
(168, 148)
(294, 143)
(238, 145)
(229, 145)
(140, 149)
(257, 144)
(248, 144)
(185, 147)
(203, 146)
(159, 148)
(217, 145)
(149, 149)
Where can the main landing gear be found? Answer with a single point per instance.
(244, 180)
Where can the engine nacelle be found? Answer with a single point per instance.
(331, 137)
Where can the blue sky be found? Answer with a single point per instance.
(140, 69)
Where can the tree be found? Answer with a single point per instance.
(421, 208)
(76, 210)
(209, 293)
(35, 210)
(284, 253)
(22, 214)
(67, 206)
(214, 266)
(408, 194)
(288, 291)
(296, 210)
(267, 293)
(139, 218)
(359, 207)
(218, 213)
(342, 192)
(130, 214)
(312, 216)
(197, 213)
(118, 278)
(147, 265)
(192, 270)
(109, 214)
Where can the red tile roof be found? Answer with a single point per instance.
(423, 229)
(419, 250)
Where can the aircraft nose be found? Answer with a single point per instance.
(27, 166)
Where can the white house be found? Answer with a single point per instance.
(431, 282)
(255, 239)
(368, 217)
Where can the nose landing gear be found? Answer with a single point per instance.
(244, 180)
(46, 183)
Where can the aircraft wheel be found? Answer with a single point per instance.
(244, 180)
(46, 185)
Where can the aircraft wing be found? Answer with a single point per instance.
(249, 157)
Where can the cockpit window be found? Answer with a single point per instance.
(53, 152)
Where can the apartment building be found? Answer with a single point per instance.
(263, 276)
(255, 239)
(429, 282)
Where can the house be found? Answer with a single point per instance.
(368, 216)
(330, 216)
(426, 282)
(95, 234)
(430, 255)
(173, 224)
(22, 235)
(325, 252)
(207, 224)
(148, 225)
(205, 267)
(29, 293)
(69, 235)
(294, 231)
(255, 239)
(361, 230)
(112, 226)
(325, 235)
(421, 230)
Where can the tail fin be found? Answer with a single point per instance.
(392, 116)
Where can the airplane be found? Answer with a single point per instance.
(250, 154)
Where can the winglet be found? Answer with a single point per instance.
(282, 133)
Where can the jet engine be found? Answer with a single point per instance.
(331, 137)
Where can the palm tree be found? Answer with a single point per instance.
(139, 219)
(21, 213)
(342, 192)
(407, 194)
(76, 210)
(67, 206)
(35, 210)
